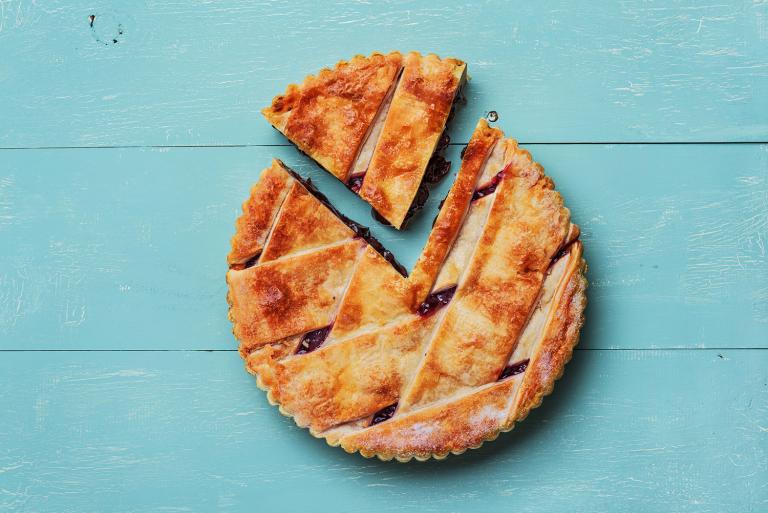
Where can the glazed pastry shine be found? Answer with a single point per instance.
(419, 366)
(374, 123)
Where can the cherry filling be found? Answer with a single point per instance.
(422, 195)
(439, 208)
(490, 188)
(355, 183)
(436, 301)
(251, 261)
(437, 168)
(563, 251)
(363, 232)
(312, 340)
(514, 369)
(444, 141)
(384, 414)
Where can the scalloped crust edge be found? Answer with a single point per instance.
(521, 415)
(568, 346)
(276, 119)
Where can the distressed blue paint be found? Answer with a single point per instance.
(198, 72)
(625, 431)
(125, 248)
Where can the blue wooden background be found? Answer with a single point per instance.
(127, 147)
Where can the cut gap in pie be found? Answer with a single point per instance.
(358, 229)
(513, 369)
(377, 123)
(365, 153)
(435, 301)
(383, 414)
(312, 340)
(421, 365)
(488, 188)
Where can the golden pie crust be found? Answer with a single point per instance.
(401, 102)
(419, 366)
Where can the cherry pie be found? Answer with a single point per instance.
(389, 112)
(414, 366)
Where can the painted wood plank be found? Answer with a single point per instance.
(125, 248)
(630, 431)
(159, 73)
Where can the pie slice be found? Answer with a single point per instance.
(414, 366)
(377, 124)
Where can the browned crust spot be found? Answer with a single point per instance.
(269, 324)
(469, 421)
(259, 211)
(416, 119)
(454, 209)
(290, 296)
(330, 113)
(303, 223)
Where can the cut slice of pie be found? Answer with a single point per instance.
(377, 124)
(419, 366)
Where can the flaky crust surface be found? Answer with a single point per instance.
(330, 117)
(309, 226)
(415, 122)
(454, 210)
(472, 419)
(391, 366)
(259, 210)
(330, 113)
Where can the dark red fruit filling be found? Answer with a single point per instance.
(490, 188)
(437, 168)
(514, 369)
(436, 301)
(443, 143)
(363, 232)
(384, 414)
(422, 195)
(251, 261)
(378, 217)
(439, 208)
(563, 251)
(312, 340)
(355, 183)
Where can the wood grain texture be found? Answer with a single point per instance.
(125, 248)
(189, 431)
(158, 73)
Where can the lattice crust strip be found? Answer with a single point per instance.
(418, 366)
(377, 124)
(467, 419)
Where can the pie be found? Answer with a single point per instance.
(420, 364)
(377, 124)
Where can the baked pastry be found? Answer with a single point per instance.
(413, 366)
(377, 124)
